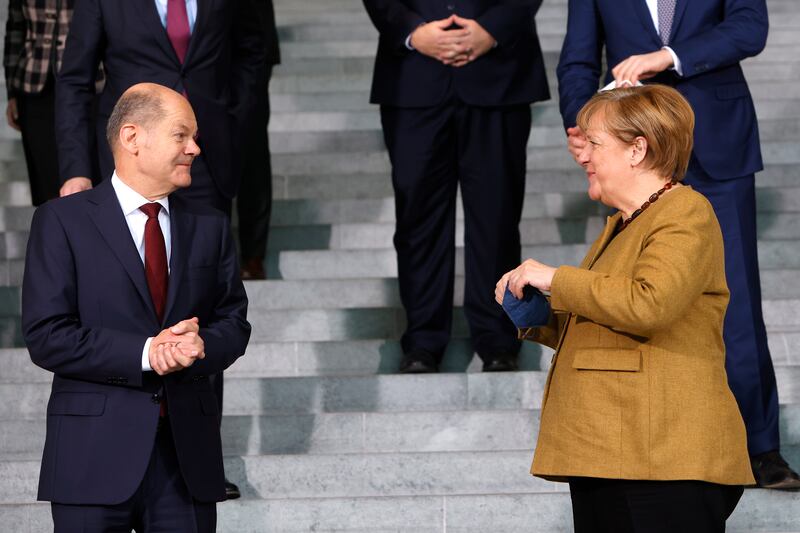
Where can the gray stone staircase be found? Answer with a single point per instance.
(318, 431)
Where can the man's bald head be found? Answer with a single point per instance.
(143, 104)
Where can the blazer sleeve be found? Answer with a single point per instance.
(509, 20)
(75, 89)
(549, 335)
(54, 335)
(742, 33)
(394, 21)
(13, 46)
(673, 269)
(580, 64)
(226, 332)
(249, 57)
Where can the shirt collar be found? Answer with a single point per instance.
(130, 200)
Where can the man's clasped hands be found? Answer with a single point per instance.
(454, 41)
(177, 347)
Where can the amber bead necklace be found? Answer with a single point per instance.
(650, 201)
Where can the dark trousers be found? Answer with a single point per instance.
(621, 506)
(751, 376)
(36, 122)
(433, 151)
(161, 504)
(254, 202)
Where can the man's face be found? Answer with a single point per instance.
(169, 147)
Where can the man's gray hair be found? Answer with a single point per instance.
(142, 107)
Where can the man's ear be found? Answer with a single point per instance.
(130, 138)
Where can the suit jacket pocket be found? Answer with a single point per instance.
(608, 359)
(732, 90)
(77, 404)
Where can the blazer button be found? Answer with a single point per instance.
(156, 398)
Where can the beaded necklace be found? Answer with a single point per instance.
(653, 197)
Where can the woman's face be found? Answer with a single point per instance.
(607, 162)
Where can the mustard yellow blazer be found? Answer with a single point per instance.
(637, 388)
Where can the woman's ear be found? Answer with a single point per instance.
(638, 151)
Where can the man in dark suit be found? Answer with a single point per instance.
(207, 49)
(455, 81)
(696, 46)
(254, 202)
(132, 298)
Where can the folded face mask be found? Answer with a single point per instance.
(531, 310)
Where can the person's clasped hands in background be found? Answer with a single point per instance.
(454, 41)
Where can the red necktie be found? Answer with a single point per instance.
(178, 27)
(155, 258)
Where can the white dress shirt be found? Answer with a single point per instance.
(191, 12)
(652, 5)
(130, 201)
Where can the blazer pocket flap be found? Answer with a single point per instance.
(608, 359)
(77, 404)
(732, 90)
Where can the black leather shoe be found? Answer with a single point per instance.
(773, 472)
(418, 362)
(231, 491)
(500, 363)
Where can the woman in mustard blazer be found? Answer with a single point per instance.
(637, 415)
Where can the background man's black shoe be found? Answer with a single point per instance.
(500, 363)
(418, 362)
(773, 472)
(231, 491)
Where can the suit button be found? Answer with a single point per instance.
(156, 398)
(451, 7)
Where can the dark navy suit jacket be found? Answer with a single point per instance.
(511, 73)
(710, 37)
(87, 312)
(218, 75)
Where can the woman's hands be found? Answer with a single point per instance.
(531, 273)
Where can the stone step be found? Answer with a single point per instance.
(759, 511)
(355, 475)
(15, 193)
(348, 433)
(385, 393)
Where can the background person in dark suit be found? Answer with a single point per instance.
(455, 82)
(35, 34)
(254, 202)
(696, 46)
(132, 428)
(207, 49)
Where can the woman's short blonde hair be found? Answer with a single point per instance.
(658, 113)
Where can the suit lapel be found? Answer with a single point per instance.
(680, 9)
(147, 10)
(111, 224)
(181, 230)
(605, 238)
(203, 8)
(641, 9)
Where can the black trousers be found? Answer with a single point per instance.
(37, 124)
(161, 504)
(433, 151)
(622, 506)
(254, 202)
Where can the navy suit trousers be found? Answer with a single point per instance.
(750, 373)
(433, 150)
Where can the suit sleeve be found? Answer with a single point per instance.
(509, 20)
(249, 57)
(54, 335)
(394, 21)
(741, 34)
(226, 330)
(548, 334)
(580, 64)
(671, 272)
(75, 89)
(15, 37)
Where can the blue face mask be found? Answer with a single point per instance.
(530, 311)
